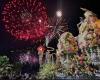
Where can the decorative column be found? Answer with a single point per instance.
(41, 50)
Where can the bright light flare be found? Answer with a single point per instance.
(59, 13)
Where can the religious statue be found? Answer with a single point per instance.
(89, 28)
(67, 47)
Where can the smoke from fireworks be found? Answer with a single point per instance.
(25, 19)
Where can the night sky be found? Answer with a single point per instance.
(71, 12)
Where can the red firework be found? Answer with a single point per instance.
(25, 19)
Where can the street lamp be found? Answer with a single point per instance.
(59, 13)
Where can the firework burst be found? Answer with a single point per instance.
(56, 28)
(25, 19)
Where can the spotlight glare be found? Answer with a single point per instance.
(59, 13)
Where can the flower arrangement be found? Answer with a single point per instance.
(67, 43)
(47, 71)
(91, 38)
(5, 66)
